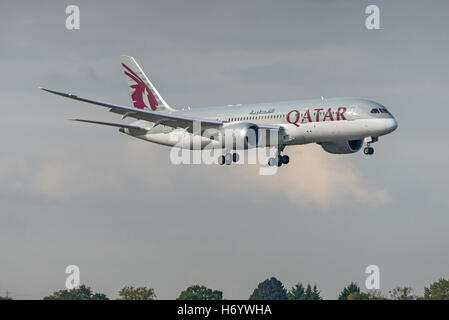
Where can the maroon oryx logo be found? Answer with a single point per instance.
(142, 95)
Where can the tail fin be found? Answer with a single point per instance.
(143, 94)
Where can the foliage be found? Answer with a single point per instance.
(375, 295)
(438, 290)
(402, 293)
(139, 293)
(372, 295)
(269, 289)
(297, 292)
(81, 293)
(357, 296)
(348, 290)
(200, 293)
(314, 294)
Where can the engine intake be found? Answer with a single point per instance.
(241, 136)
(342, 147)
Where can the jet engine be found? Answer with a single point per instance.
(342, 147)
(240, 136)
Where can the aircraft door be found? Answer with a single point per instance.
(353, 113)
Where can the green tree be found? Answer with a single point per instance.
(375, 295)
(357, 296)
(308, 292)
(316, 295)
(312, 293)
(81, 293)
(269, 289)
(140, 293)
(438, 290)
(351, 288)
(5, 298)
(402, 293)
(200, 293)
(297, 292)
(371, 295)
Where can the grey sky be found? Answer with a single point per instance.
(85, 195)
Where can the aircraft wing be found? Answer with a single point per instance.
(167, 119)
(269, 127)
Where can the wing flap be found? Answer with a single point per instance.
(269, 127)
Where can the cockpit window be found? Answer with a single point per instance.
(383, 110)
(374, 110)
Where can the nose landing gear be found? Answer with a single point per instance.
(370, 150)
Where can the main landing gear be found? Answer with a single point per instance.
(279, 159)
(228, 158)
(369, 150)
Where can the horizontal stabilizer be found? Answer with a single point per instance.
(111, 124)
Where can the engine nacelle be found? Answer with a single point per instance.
(342, 147)
(240, 136)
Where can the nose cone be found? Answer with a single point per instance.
(390, 124)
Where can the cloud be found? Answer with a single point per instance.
(314, 177)
(65, 178)
(60, 176)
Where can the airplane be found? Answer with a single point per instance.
(339, 125)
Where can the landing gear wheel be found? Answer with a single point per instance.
(221, 160)
(228, 158)
(235, 157)
(278, 160)
(368, 150)
(272, 162)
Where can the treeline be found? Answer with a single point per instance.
(269, 289)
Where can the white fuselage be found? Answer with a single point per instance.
(303, 121)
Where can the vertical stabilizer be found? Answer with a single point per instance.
(143, 94)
